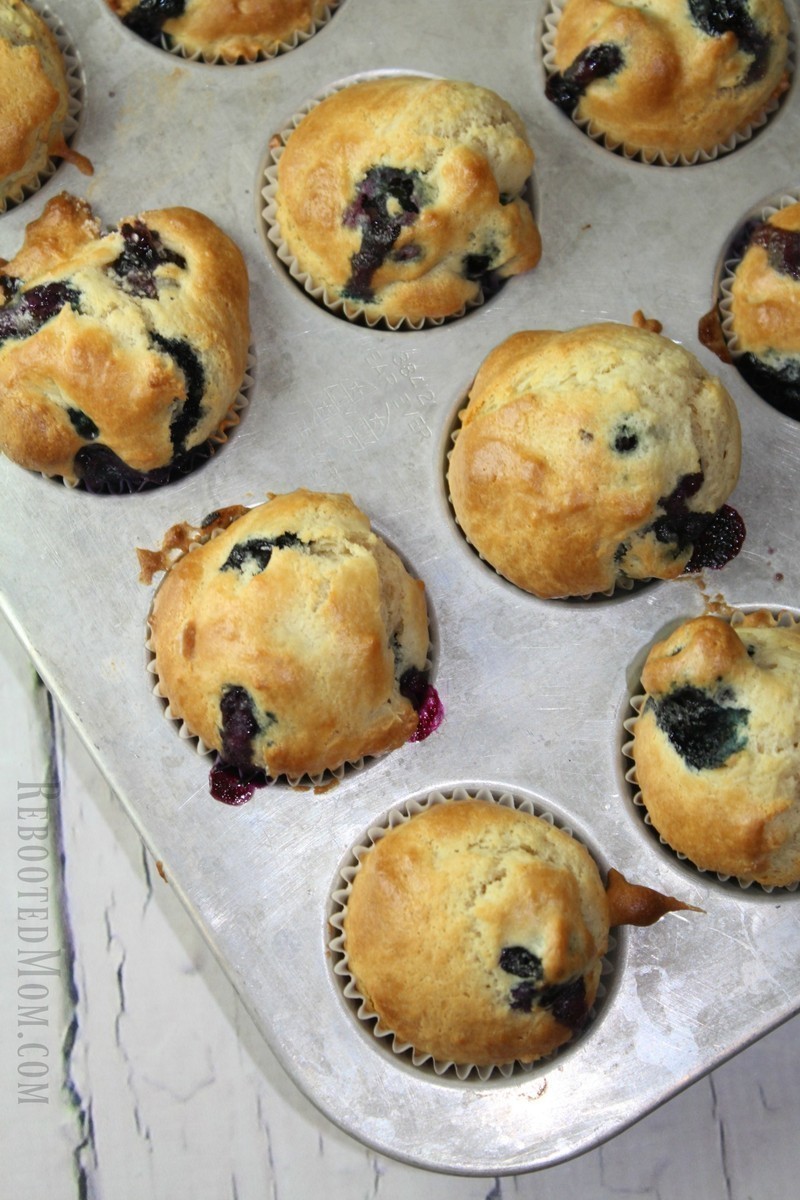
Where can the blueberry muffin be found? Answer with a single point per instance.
(475, 932)
(764, 310)
(402, 197)
(291, 642)
(716, 746)
(34, 101)
(669, 78)
(596, 456)
(121, 352)
(227, 30)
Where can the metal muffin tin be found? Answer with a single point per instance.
(535, 692)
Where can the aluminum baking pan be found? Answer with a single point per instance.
(535, 692)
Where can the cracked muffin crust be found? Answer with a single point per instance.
(34, 99)
(402, 196)
(291, 642)
(669, 77)
(222, 29)
(717, 746)
(601, 454)
(120, 352)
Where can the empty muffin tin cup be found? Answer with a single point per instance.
(337, 943)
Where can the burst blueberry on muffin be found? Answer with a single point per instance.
(122, 352)
(34, 100)
(765, 310)
(669, 78)
(594, 456)
(291, 642)
(222, 29)
(475, 932)
(402, 197)
(716, 746)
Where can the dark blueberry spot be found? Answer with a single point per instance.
(720, 541)
(506, 198)
(147, 18)
(716, 17)
(137, 263)
(234, 785)
(782, 247)
(209, 519)
(751, 650)
(473, 266)
(519, 961)
(238, 725)
(101, 470)
(380, 189)
(407, 253)
(84, 426)
(9, 286)
(28, 311)
(187, 417)
(258, 551)
(523, 996)
(414, 685)
(595, 62)
(625, 440)
(679, 524)
(779, 386)
(702, 730)
(425, 700)
(567, 1003)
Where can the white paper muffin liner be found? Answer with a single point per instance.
(780, 617)
(651, 157)
(75, 91)
(621, 585)
(271, 229)
(321, 781)
(337, 943)
(738, 248)
(214, 442)
(298, 38)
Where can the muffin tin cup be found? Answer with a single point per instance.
(637, 701)
(637, 153)
(281, 46)
(75, 91)
(334, 304)
(338, 941)
(739, 244)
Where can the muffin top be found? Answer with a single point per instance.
(290, 642)
(669, 77)
(225, 29)
(765, 293)
(476, 932)
(402, 196)
(717, 746)
(591, 456)
(33, 97)
(119, 352)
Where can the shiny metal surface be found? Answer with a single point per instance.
(535, 693)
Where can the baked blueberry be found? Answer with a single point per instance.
(387, 200)
(28, 311)
(143, 253)
(257, 552)
(148, 17)
(705, 729)
(519, 961)
(595, 62)
(716, 17)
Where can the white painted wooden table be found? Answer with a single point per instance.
(129, 1069)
